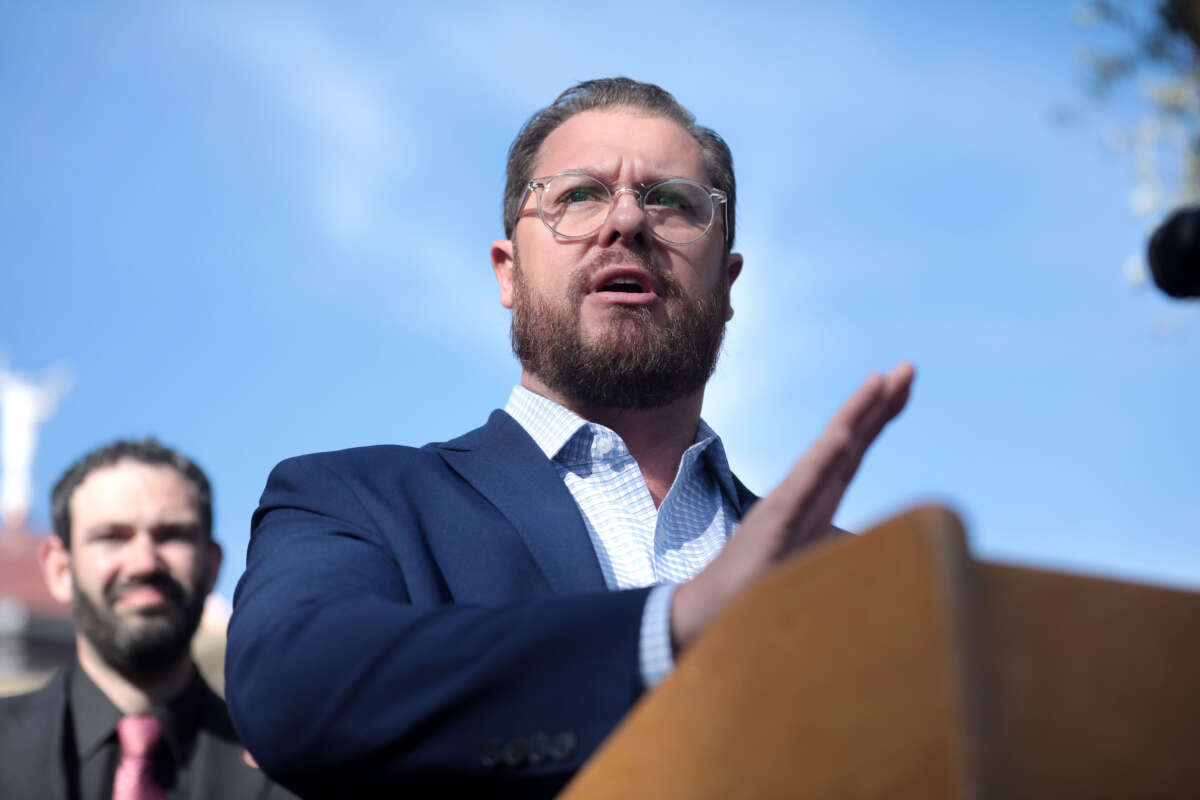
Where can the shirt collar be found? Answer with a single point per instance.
(718, 463)
(549, 425)
(95, 717)
(552, 427)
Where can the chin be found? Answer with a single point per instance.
(621, 325)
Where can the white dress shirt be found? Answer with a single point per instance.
(637, 544)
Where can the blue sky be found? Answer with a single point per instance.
(257, 230)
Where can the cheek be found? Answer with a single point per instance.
(92, 579)
(185, 564)
(699, 276)
(100, 567)
(548, 264)
(551, 280)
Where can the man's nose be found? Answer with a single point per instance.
(626, 221)
(141, 555)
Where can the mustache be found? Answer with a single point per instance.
(168, 586)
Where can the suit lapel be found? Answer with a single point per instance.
(505, 465)
(54, 747)
(64, 736)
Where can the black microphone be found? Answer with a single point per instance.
(1174, 254)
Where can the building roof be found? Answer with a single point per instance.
(20, 575)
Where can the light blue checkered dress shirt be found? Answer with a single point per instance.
(637, 544)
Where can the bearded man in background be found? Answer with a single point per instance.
(133, 554)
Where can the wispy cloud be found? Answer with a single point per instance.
(360, 156)
(360, 143)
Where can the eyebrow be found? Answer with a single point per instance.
(592, 170)
(107, 527)
(118, 526)
(608, 176)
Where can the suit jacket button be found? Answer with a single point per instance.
(562, 745)
(493, 752)
(539, 748)
(515, 752)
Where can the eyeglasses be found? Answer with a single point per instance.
(574, 205)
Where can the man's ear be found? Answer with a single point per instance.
(215, 555)
(502, 265)
(55, 561)
(733, 268)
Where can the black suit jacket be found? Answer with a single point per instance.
(428, 622)
(37, 746)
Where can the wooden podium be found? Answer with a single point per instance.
(892, 665)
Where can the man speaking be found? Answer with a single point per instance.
(473, 617)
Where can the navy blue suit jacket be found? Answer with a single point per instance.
(428, 621)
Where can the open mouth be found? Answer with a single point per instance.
(626, 285)
(624, 280)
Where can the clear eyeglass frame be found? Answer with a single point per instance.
(639, 191)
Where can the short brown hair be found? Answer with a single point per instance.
(610, 93)
(147, 451)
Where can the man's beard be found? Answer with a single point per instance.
(633, 363)
(158, 639)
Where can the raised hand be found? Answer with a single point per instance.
(799, 510)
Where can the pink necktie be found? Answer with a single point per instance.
(134, 779)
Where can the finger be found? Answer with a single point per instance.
(897, 385)
(822, 458)
(817, 515)
(865, 414)
(860, 405)
(783, 509)
(823, 463)
(835, 474)
(894, 396)
(876, 403)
